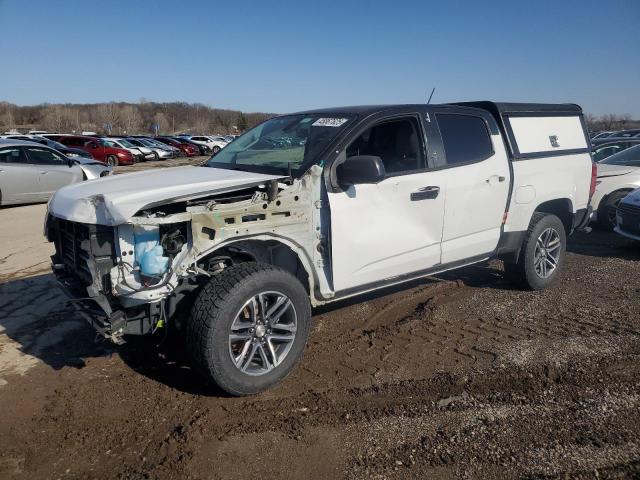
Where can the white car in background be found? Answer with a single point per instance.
(143, 153)
(618, 175)
(121, 143)
(213, 143)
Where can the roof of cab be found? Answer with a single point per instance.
(503, 107)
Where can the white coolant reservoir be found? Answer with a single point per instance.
(149, 254)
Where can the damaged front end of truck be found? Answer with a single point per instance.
(129, 258)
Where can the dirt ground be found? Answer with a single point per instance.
(458, 376)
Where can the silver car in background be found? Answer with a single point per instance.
(31, 173)
(160, 152)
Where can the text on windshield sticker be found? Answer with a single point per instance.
(329, 122)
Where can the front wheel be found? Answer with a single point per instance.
(542, 256)
(248, 328)
(112, 161)
(215, 150)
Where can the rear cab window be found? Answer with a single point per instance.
(465, 137)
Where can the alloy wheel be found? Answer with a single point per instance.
(547, 253)
(262, 333)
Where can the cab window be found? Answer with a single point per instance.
(466, 138)
(397, 142)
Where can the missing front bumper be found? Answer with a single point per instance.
(110, 323)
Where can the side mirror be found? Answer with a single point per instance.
(361, 169)
(70, 162)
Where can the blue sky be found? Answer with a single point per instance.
(281, 56)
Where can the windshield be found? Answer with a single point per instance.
(126, 143)
(629, 157)
(148, 143)
(280, 144)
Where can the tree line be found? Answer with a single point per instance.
(611, 122)
(127, 118)
(171, 118)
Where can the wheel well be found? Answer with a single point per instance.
(620, 190)
(561, 208)
(271, 252)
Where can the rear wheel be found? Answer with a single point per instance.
(112, 160)
(542, 255)
(607, 210)
(248, 328)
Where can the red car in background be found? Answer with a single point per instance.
(101, 149)
(188, 150)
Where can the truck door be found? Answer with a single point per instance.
(392, 229)
(478, 183)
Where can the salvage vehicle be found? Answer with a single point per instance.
(618, 175)
(30, 172)
(628, 216)
(315, 207)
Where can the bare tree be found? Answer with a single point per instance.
(108, 114)
(131, 119)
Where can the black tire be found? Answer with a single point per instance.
(523, 273)
(112, 160)
(215, 150)
(215, 310)
(607, 210)
(156, 157)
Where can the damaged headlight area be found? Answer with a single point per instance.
(147, 259)
(120, 278)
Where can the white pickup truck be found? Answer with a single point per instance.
(314, 207)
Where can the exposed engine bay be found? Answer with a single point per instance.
(138, 272)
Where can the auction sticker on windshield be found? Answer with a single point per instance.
(329, 122)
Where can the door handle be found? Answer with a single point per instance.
(492, 177)
(425, 193)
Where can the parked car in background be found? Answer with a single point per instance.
(628, 216)
(202, 149)
(627, 133)
(31, 172)
(145, 153)
(214, 145)
(186, 149)
(160, 150)
(99, 148)
(138, 156)
(618, 175)
(601, 135)
(604, 150)
(66, 151)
